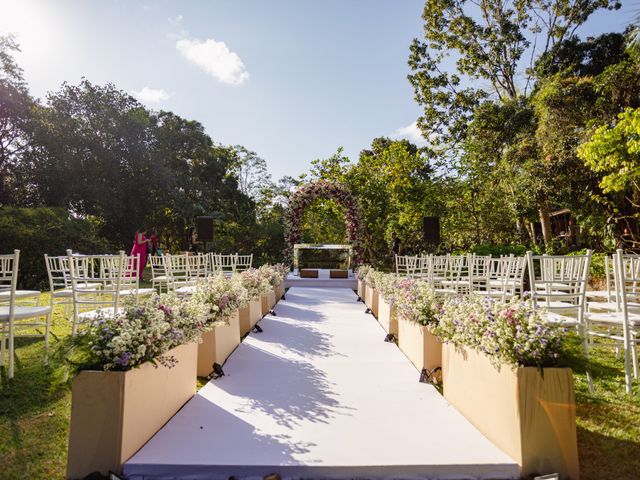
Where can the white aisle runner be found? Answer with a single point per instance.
(319, 394)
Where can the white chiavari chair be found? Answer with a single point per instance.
(225, 264)
(559, 284)
(438, 269)
(197, 266)
(406, 265)
(424, 267)
(22, 297)
(506, 277)
(14, 317)
(178, 269)
(244, 262)
(622, 325)
(129, 277)
(479, 270)
(456, 281)
(159, 274)
(107, 272)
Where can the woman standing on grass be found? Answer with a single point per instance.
(140, 242)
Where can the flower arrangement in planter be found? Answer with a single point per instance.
(223, 298)
(418, 310)
(512, 333)
(273, 277)
(283, 270)
(137, 369)
(255, 283)
(370, 292)
(386, 284)
(500, 370)
(139, 333)
(361, 274)
(257, 286)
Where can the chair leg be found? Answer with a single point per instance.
(2, 346)
(46, 338)
(585, 352)
(634, 356)
(11, 347)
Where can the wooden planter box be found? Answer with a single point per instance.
(387, 316)
(272, 298)
(419, 345)
(532, 417)
(264, 305)
(250, 315)
(279, 291)
(113, 414)
(361, 288)
(218, 344)
(307, 273)
(371, 299)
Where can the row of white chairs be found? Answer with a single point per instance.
(558, 284)
(171, 272)
(461, 274)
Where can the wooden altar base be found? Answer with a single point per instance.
(324, 280)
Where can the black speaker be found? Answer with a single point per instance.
(204, 226)
(431, 230)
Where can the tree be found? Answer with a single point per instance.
(16, 107)
(251, 172)
(488, 39)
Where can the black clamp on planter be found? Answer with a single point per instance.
(368, 310)
(359, 299)
(217, 372)
(257, 328)
(390, 338)
(283, 297)
(429, 376)
(273, 312)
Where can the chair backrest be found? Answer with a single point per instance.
(225, 263)
(178, 269)
(406, 265)
(626, 269)
(158, 266)
(58, 271)
(9, 265)
(506, 276)
(197, 266)
(105, 273)
(243, 262)
(559, 281)
(424, 267)
(126, 273)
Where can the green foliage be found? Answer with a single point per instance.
(36, 231)
(615, 151)
(497, 250)
(597, 269)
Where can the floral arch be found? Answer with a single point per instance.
(305, 195)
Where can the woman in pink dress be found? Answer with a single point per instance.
(140, 242)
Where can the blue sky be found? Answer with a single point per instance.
(292, 80)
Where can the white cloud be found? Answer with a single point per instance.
(410, 132)
(215, 58)
(151, 95)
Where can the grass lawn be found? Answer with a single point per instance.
(35, 407)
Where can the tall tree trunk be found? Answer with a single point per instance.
(545, 222)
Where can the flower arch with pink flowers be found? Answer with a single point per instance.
(305, 195)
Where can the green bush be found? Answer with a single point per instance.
(597, 268)
(497, 250)
(36, 231)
